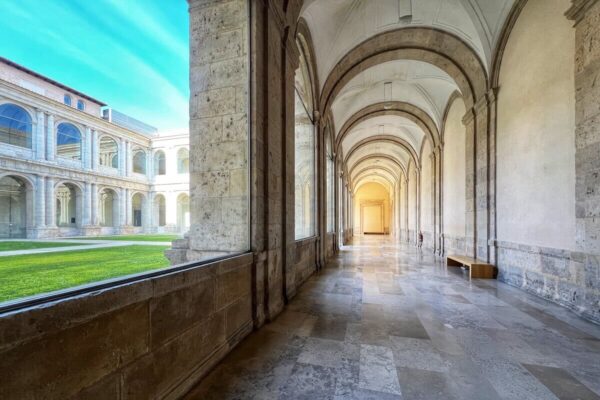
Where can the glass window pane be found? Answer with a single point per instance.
(15, 126)
(304, 173)
(68, 141)
(109, 152)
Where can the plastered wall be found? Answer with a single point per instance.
(454, 171)
(535, 139)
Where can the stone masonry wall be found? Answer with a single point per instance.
(150, 339)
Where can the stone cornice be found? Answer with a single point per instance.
(578, 9)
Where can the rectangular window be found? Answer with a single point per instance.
(80, 105)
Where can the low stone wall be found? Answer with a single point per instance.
(305, 265)
(561, 276)
(454, 244)
(329, 245)
(149, 339)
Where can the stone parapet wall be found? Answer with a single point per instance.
(304, 266)
(149, 339)
(561, 276)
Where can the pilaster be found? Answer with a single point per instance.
(40, 137)
(50, 138)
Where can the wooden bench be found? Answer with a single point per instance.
(477, 269)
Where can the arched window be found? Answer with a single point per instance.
(67, 100)
(108, 208)
(109, 152)
(160, 164)
(66, 205)
(139, 161)
(305, 148)
(80, 105)
(15, 126)
(183, 161)
(330, 180)
(68, 141)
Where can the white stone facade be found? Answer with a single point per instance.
(109, 180)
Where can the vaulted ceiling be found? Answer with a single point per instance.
(338, 27)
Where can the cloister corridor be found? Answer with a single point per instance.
(387, 321)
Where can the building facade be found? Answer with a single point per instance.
(71, 166)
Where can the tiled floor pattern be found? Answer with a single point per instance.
(384, 322)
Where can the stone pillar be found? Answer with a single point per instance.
(94, 204)
(586, 15)
(128, 159)
(40, 201)
(128, 208)
(87, 158)
(50, 203)
(147, 212)
(149, 163)
(122, 162)
(218, 131)
(95, 150)
(87, 204)
(50, 138)
(406, 194)
(40, 137)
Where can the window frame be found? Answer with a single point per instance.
(29, 123)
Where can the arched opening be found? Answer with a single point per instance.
(160, 210)
(67, 206)
(108, 208)
(183, 161)
(183, 212)
(15, 126)
(109, 152)
(372, 210)
(137, 203)
(305, 165)
(13, 207)
(160, 163)
(139, 161)
(68, 141)
(330, 171)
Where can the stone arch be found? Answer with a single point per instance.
(384, 138)
(183, 212)
(398, 108)
(306, 47)
(108, 207)
(376, 156)
(160, 209)
(69, 203)
(138, 209)
(16, 205)
(108, 160)
(439, 48)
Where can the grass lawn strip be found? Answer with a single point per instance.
(28, 245)
(27, 275)
(135, 238)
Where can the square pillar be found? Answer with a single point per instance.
(40, 136)
(50, 138)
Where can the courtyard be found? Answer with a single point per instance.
(32, 267)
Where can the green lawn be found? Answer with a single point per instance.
(138, 238)
(27, 275)
(25, 245)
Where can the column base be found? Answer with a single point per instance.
(46, 232)
(125, 230)
(91, 230)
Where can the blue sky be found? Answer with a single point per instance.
(130, 54)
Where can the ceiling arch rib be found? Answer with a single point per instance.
(370, 179)
(424, 85)
(374, 169)
(339, 26)
(378, 158)
(389, 125)
(385, 144)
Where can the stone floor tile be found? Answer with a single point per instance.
(561, 383)
(418, 384)
(377, 370)
(417, 354)
(329, 328)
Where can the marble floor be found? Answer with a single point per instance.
(384, 321)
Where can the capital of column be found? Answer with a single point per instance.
(578, 9)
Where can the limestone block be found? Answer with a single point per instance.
(238, 314)
(212, 103)
(175, 312)
(233, 285)
(208, 47)
(95, 349)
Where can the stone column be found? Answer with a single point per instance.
(50, 203)
(586, 15)
(128, 208)
(94, 204)
(406, 194)
(50, 138)
(122, 162)
(218, 131)
(87, 163)
(128, 159)
(40, 201)
(147, 212)
(87, 204)
(40, 137)
(149, 168)
(95, 150)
